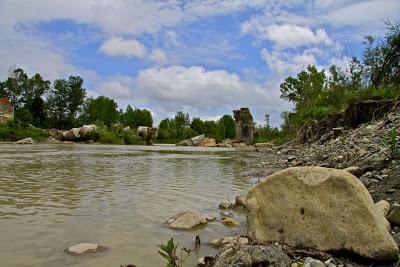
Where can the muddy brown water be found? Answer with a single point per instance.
(54, 196)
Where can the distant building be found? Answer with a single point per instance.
(6, 110)
(244, 124)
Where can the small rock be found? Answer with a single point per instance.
(224, 205)
(229, 221)
(83, 248)
(226, 214)
(394, 214)
(356, 171)
(240, 201)
(257, 255)
(310, 262)
(186, 220)
(223, 241)
(25, 141)
(390, 191)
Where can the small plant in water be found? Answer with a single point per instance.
(168, 252)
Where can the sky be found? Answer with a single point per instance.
(203, 57)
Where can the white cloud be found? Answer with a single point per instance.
(178, 87)
(158, 56)
(117, 46)
(282, 63)
(287, 35)
(32, 54)
(117, 87)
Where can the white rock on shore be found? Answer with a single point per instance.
(25, 141)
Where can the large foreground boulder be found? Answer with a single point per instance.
(319, 208)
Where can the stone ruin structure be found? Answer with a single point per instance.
(6, 110)
(244, 125)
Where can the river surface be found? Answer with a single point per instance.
(54, 196)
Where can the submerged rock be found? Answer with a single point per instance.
(187, 220)
(84, 248)
(25, 141)
(257, 255)
(224, 205)
(227, 221)
(319, 208)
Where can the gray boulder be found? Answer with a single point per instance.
(319, 208)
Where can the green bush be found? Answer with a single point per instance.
(15, 130)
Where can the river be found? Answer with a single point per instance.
(54, 196)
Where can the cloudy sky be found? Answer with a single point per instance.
(204, 57)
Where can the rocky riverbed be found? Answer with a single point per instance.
(369, 152)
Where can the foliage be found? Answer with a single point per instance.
(137, 117)
(65, 101)
(102, 109)
(381, 59)
(116, 134)
(15, 130)
(181, 127)
(315, 94)
(168, 252)
(394, 143)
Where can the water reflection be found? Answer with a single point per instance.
(52, 196)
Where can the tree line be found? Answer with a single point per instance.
(63, 104)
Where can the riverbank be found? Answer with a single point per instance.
(371, 152)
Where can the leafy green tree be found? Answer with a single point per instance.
(65, 101)
(197, 125)
(14, 86)
(305, 89)
(26, 93)
(382, 59)
(229, 125)
(137, 117)
(165, 124)
(101, 109)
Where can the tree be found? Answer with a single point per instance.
(101, 109)
(229, 126)
(165, 124)
(137, 117)
(65, 101)
(382, 59)
(197, 125)
(304, 89)
(14, 86)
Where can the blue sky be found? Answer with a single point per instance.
(202, 57)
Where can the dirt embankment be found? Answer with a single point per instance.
(339, 145)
